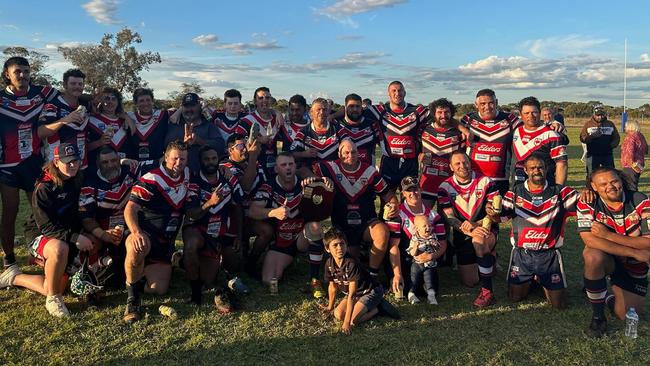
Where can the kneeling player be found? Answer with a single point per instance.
(204, 236)
(363, 294)
(616, 234)
(463, 199)
(279, 199)
(538, 213)
(154, 214)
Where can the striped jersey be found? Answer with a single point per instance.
(399, 129)
(543, 141)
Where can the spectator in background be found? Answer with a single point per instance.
(633, 151)
(601, 137)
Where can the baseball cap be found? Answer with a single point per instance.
(66, 153)
(408, 183)
(599, 109)
(190, 99)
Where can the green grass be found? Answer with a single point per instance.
(288, 329)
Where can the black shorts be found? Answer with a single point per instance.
(394, 169)
(354, 234)
(24, 175)
(503, 186)
(371, 299)
(624, 279)
(290, 250)
(545, 264)
(161, 250)
(463, 248)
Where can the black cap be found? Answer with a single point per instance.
(408, 183)
(66, 153)
(190, 99)
(599, 109)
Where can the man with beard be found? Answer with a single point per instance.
(205, 241)
(228, 119)
(279, 200)
(400, 123)
(489, 133)
(317, 141)
(65, 118)
(360, 127)
(153, 215)
(464, 199)
(104, 194)
(538, 211)
(194, 130)
(242, 163)
(297, 121)
(20, 160)
(616, 234)
(357, 184)
(601, 137)
(266, 122)
(150, 126)
(534, 137)
(440, 138)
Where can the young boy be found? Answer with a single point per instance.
(345, 274)
(424, 241)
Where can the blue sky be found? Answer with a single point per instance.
(555, 50)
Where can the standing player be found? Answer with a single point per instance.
(357, 184)
(111, 126)
(297, 121)
(266, 121)
(439, 139)
(150, 126)
(227, 120)
(534, 137)
(317, 141)
(539, 211)
(64, 119)
(20, 159)
(359, 127)
(616, 234)
(463, 198)
(153, 215)
(205, 243)
(400, 124)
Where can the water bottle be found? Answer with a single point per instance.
(631, 323)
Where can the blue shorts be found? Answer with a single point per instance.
(371, 299)
(545, 264)
(628, 281)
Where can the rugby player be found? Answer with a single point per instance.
(150, 126)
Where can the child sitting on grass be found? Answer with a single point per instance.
(363, 295)
(424, 241)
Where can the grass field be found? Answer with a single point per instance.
(288, 328)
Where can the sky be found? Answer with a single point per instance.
(554, 50)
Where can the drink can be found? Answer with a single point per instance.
(387, 208)
(119, 230)
(496, 204)
(399, 295)
(273, 286)
(167, 311)
(486, 223)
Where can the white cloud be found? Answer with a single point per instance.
(349, 37)
(9, 26)
(103, 11)
(351, 7)
(69, 44)
(240, 48)
(562, 45)
(645, 57)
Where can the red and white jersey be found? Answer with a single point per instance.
(226, 125)
(120, 141)
(19, 114)
(325, 142)
(543, 141)
(467, 200)
(490, 142)
(354, 202)
(538, 217)
(438, 143)
(71, 133)
(365, 134)
(631, 219)
(149, 137)
(288, 133)
(403, 225)
(399, 128)
(274, 195)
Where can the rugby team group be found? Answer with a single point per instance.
(248, 190)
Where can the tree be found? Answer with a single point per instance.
(37, 63)
(113, 62)
(176, 96)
